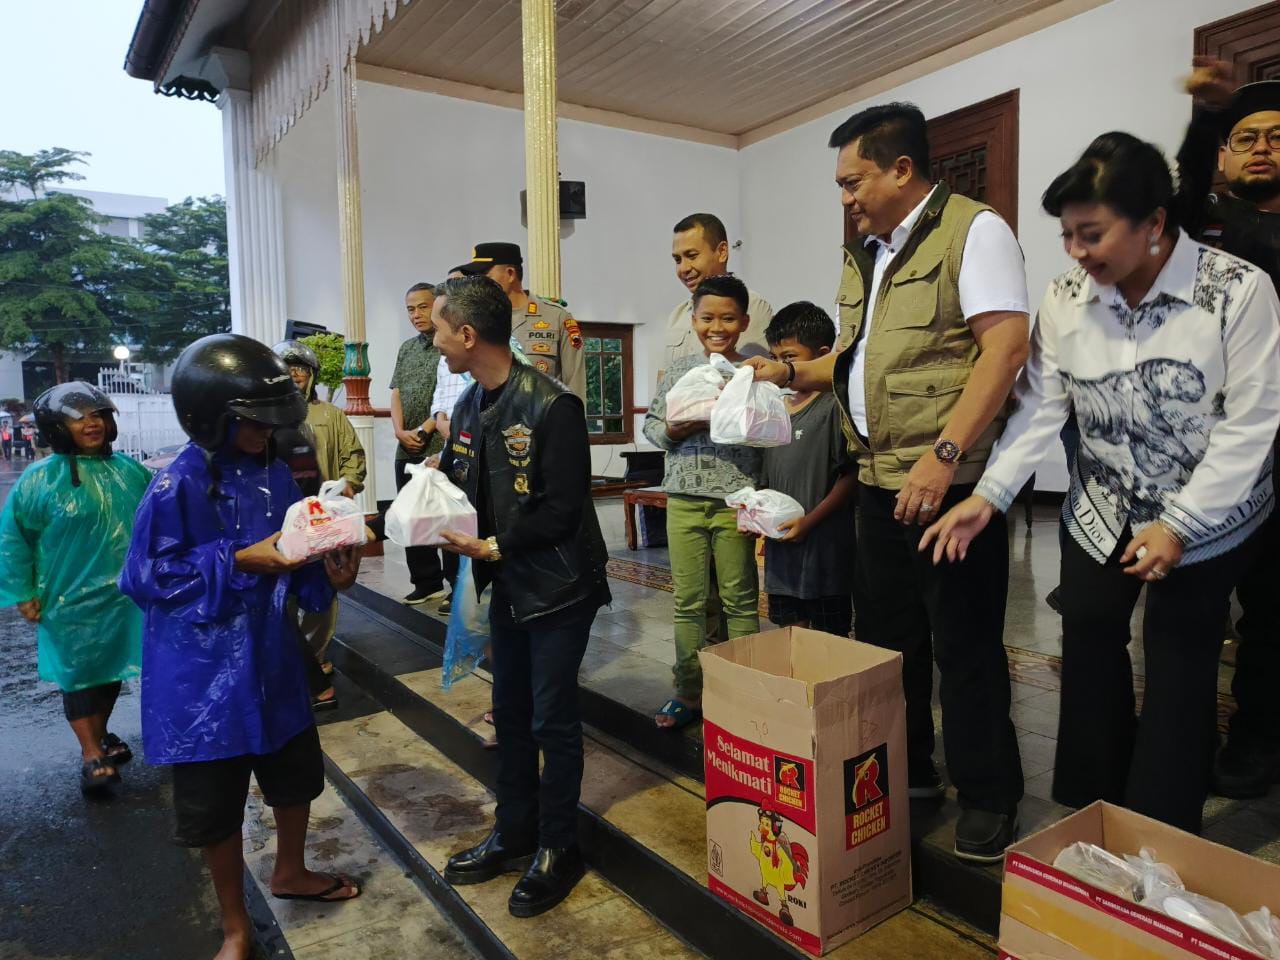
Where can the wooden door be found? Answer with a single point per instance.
(975, 150)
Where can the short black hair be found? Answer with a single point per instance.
(885, 133)
(725, 285)
(429, 287)
(479, 303)
(712, 227)
(805, 322)
(1126, 173)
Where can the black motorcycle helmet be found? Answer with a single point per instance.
(295, 353)
(224, 376)
(72, 401)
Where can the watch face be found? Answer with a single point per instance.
(946, 451)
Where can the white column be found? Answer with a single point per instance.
(355, 369)
(541, 151)
(255, 230)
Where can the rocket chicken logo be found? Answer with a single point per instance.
(866, 796)
(788, 777)
(317, 515)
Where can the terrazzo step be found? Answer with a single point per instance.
(394, 919)
(968, 891)
(642, 824)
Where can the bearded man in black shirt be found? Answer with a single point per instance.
(1237, 131)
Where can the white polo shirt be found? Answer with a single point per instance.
(992, 278)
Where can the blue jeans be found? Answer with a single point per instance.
(535, 707)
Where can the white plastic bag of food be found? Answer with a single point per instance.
(427, 506)
(1265, 928)
(749, 414)
(761, 511)
(691, 398)
(1102, 869)
(316, 525)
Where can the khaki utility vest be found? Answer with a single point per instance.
(920, 351)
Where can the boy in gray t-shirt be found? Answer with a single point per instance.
(808, 574)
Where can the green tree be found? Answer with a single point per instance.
(55, 275)
(177, 278)
(34, 170)
(331, 348)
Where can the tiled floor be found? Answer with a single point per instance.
(631, 653)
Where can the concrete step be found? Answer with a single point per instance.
(642, 822)
(967, 891)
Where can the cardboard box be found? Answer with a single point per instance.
(1047, 914)
(805, 753)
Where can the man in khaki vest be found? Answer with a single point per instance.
(934, 301)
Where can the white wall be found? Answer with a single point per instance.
(439, 175)
(1115, 67)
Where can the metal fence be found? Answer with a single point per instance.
(146, 421)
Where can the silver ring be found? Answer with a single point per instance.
(1159, 574)
(927, 507)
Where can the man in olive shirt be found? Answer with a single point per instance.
(543, 330)
(412, 385)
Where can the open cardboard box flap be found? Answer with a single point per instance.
(799, 666)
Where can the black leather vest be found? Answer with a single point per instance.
(550, 576)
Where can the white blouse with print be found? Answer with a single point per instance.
(1178, 401)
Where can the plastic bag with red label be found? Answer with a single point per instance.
(425, 507)
(762, 511)
(749, 414)
(692, 397)
(316, 525)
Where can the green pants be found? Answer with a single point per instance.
(699, 528)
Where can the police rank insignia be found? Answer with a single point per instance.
(541, 325)
(519, 442)
(575, 334)
(533, 308)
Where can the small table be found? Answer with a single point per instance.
(644, 497)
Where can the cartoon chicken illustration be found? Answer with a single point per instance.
(783, 865)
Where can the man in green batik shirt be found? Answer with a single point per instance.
(412, 385)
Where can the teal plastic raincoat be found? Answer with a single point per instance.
(66, 545)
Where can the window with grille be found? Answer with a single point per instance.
(607, 348)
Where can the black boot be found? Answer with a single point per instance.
(548, 880)
(491, 857)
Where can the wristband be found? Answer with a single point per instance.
(791, 372)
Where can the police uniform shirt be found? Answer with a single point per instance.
(550, 338)
(683, 342)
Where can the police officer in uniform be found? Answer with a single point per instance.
(545, 331)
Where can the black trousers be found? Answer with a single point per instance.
(91, 701)
(1157, 763)
(425, 569)
(1255, 725)
(952, 613)
(535, 708)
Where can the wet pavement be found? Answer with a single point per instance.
(85, 878)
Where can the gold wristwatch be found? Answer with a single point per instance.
(494, 553)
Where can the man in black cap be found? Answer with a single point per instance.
(544, 330)
(1238, 132)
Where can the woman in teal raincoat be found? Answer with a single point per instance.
(63, 536)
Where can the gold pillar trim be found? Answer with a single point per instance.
(541, 151)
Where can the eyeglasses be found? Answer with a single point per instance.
(1245, 140)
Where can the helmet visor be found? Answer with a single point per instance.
(272, 411)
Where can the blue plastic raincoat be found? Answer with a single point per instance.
(65, 545)
(222, 671)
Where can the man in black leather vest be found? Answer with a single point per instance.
(518, 447)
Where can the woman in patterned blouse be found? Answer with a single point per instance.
(1169, 353)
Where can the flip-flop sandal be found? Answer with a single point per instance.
(319, 705)
(91, 780)
(117, 750)
(680, 714)
(327, 894)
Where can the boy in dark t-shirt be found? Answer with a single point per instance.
(808, 574)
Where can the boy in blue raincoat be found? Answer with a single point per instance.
(224, 689)
(63, 537)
